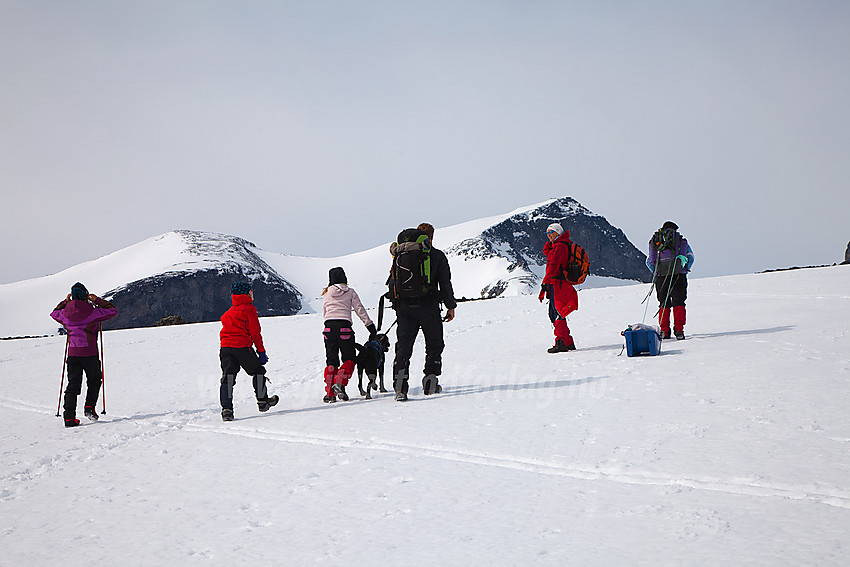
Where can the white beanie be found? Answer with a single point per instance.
(556, 227)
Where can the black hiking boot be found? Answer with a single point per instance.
(400, 397)
(329, 399)
(91, 413)
(73, 422)
(561, 346)
(227, 415)
(264, 405)
(680, 335)
(431, 385)
(339, 390)
(665, 334)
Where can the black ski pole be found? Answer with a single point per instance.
(62, 382)
(102, 372)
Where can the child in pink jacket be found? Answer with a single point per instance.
(338, 302)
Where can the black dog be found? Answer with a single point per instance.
(370, 359)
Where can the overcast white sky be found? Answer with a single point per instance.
(322, 128)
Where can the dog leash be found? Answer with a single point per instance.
(381, 315)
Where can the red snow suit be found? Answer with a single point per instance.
(557, 255)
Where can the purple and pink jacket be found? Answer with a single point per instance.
(668, 256)
(82, 321)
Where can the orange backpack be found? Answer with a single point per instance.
(577, 266)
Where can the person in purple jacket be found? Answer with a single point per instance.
(670, 259)
(81, 313)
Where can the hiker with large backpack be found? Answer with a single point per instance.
(82, 313)
(338, 301)
(566, 265)
(419, 282)
(670, 259)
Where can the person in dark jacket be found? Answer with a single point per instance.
(670, 259)
(240, 330)
(81, 313)
(563, 298)
(423, 313)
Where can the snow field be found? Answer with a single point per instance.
(732, 447)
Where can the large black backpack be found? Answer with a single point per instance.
(410, 275)
(666, 239)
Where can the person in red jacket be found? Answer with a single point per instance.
(240, 330)
(563, 298)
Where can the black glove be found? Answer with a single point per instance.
(264, 358)
(372, 330)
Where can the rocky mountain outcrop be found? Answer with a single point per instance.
(200, 289)
(847, 255)
(521, 237)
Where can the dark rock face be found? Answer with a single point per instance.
(198, 290)
(847, 255)
(196, 297)
(521, 238)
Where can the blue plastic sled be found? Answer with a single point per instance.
(642, 341)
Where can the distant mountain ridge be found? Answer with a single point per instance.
(188, 273)
(521, 237)
(193, 290)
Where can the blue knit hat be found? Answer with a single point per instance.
(240, 288)
(79, 291)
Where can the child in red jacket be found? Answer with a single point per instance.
(240, 329)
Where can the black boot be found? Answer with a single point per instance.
(431, 385)
(267, 403)
(339, 390)
(400, 386)
(227, 414)
(90, 413)
(561, 346)
(72, 422)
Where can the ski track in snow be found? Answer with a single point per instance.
(166, 422)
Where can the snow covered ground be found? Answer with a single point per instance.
(730, 448)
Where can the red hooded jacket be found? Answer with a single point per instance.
(240, 326)
(566, 298)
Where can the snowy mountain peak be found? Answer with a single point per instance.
(188, 273)
(516, 243)
(191, 250)
(196, 284)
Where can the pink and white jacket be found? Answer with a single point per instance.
(338, 302)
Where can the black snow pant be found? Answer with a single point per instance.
(412, 316)
(339, 339)
(76, 366)
(671, 294)
(232, 359)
